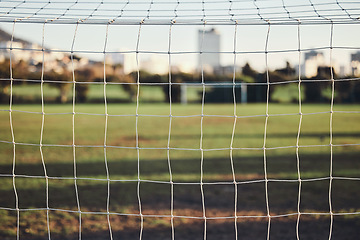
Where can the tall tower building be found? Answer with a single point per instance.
(209, 44)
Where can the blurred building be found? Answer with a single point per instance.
(153, 64)
(209, 43)
(126, 60)
(355, 64)
(313, 60)
(31, 53)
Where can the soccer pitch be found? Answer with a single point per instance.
(199, 151)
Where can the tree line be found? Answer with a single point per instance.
(283, 86)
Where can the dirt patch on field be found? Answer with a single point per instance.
(33, 226)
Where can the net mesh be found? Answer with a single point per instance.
(171, 14)
(183, 12)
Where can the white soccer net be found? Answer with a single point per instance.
(278, 158)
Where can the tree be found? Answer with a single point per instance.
(175, 90)
(249, 71)
(288, 71)
(129, 86)
(60, 81)
(356, 91)
(224, 93)
(82, 89)
(4, 83)
(318, 91)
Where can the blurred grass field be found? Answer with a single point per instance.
(185, 155)
(114, 93)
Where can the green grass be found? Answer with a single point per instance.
(185, 159)
(114, 93)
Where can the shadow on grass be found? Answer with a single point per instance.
(320, 135)
(92, 183)
(278, 166)
(219, 199)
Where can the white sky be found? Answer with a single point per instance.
(184, 39)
